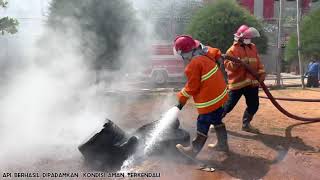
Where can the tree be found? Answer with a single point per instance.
(216, 23)
(309, 38)
(7, 24)
(105, 27)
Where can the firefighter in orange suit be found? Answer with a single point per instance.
(205, 83)
(240, 81)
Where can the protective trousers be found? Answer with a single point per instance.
(312, 81)
(252, 100)
(205, 120)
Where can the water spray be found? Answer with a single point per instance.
(152, 138)
(168, 118)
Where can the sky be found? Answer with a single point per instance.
(26, 9)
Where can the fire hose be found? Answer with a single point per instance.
(292, 99)
(269, 95)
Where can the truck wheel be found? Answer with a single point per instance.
(159, 77)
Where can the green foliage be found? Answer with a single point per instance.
(7, 24)
(104, 27)
(309, 38)
(3, 3)
(291, 49)
(216, 23)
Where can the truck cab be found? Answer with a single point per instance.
(164, 66)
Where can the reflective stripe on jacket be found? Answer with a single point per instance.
(205, 83)
(238, 77)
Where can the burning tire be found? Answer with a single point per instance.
(108, 149)
(111, 144)
(167, 141)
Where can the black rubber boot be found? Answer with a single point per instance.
(196, 146)
(247, 118)
(222, 139)
(212, 129)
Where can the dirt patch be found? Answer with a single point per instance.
(286, 149)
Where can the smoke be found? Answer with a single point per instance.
(52, 103)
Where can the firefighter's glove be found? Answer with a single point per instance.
(179, 106)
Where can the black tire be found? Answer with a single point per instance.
(109, 148)
(169, 140)
(145, 129)
(159, 77)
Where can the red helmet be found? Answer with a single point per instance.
(185, 43)
(246, 32)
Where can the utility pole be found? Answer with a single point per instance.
(278, 63)
(299, 45)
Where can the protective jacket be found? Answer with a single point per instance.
(238, 77)
(205, 82)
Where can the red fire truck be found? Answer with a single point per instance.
(165, 65)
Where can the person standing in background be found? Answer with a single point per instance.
(313, 73)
